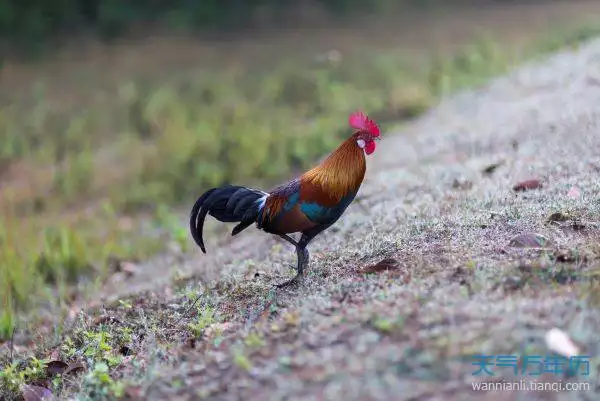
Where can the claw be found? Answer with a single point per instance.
(302, 263)
(296, 280)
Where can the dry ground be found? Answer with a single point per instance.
(454, 285)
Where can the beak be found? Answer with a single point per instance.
(377, 138)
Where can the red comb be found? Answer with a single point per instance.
(359, 120)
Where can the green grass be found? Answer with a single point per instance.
(160, 144)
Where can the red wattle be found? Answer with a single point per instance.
(370, 147)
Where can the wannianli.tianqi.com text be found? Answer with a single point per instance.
(531, 385)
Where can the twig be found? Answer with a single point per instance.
(188, 309)
(14, 329)
(12, 343)
(577, 221)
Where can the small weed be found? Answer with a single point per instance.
(254, 340)
(125, 304)
(385, 325)
(13, 376)
(206, 317)
(7, 323)
(241, 360)
(99, 382)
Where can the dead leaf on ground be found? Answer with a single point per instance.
(574, 225)
(490, 169)
(55, 368)
(567, 255)
(74, 368)
(558, 217)
(462, 184)
(530, 240)
(566, 220)
(36, 393)
(382, 265)
(528, 185)
(106, 320)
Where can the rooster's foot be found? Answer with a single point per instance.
(298, 279)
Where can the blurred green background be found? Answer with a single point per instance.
(115, 115)
(37, 19)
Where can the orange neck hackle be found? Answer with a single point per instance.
(341, 172)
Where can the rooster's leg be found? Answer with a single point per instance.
(301, 252)
(303, 257)
(289, 239)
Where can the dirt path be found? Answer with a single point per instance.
(454, 287)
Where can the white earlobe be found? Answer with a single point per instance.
(361, 143)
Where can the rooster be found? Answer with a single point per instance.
(308, 204)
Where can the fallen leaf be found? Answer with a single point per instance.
(529, 240)
(462, 184)
(566, 255)
(106, 320)
(491, 168)
(55, 368)
(558, 217)
(558, 341)
(382, 265)
(566, 220)
(74, 368)
(527, 185)
(36, 393)
(574, 193)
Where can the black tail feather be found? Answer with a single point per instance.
(227, 204)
